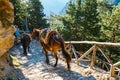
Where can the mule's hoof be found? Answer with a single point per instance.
(69, 69)
(24, 54)
(55, 65)
(47, 63)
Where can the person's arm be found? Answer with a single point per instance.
(21, 31)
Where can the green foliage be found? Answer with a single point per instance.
(90, 21)
(111, 23)
(10, 79)
(69, 20)
(36, 17)
(19, 12)
(81, 20)
(104, 6)
(32, 10)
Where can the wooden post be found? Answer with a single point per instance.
(103, 65)
(118, 73)
(112, 71)
(93, 56)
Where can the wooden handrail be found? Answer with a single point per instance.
(94, 48)
(94, 42)
(116, 64)
(93, 56)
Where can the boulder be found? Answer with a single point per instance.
(6, 39)
(6, 35)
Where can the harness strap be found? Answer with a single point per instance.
(56, 37)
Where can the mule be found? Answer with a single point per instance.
(25, 41)
(52, 41)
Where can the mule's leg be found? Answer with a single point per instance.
(28, 48)
(29, 45)
(46, 54)
(56, 57)
(68, 65)
(68, 59)
(24, 49)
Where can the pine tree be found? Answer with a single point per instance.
(72, 20)
(111, 23)
(110, 31)
(36, 17)
(90, 19)
(78, 20)
(19, 12)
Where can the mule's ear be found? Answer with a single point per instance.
(38, 30)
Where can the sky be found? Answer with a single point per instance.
(54, 6)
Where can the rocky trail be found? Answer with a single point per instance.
(34, 67)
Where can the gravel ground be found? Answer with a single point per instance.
(34, 67)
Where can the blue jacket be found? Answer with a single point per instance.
(17, 32)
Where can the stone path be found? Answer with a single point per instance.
(34, 67)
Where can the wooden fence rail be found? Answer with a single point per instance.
(96, 46)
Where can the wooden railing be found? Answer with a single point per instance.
(96, 46)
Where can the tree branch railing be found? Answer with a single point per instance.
(94, 48)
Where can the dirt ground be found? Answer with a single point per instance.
(34, 67)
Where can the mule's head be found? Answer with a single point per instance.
(35, 33)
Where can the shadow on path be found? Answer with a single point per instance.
(15, 74)
(61, 73)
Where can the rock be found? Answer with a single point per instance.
(88, 71)
(14, 61)
(105, 77)
(112, 78)
(6, 40)
(6, 35)
(4, 66)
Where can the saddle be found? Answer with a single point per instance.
(46, 31)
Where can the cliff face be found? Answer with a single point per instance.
(6, 40)
(6, 34)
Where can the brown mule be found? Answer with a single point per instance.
(52, 41)
(25, 41)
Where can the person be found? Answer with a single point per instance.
(17, 33)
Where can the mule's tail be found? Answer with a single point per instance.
(65, 53)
